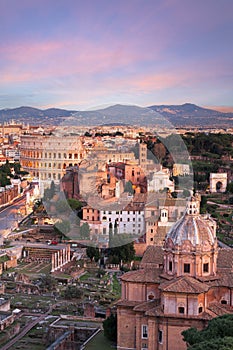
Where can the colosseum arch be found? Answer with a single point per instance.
(218, 182)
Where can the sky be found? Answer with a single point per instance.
(85, 54)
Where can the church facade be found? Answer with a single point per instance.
(183, 284)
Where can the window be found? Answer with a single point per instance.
(181, 310)
(160, 336)
(223, 301)
(70, 155)
(144, 332)
(170, 266)
(186, 268)
(200, 309)
(206, 267)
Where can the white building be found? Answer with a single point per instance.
(159, 180)
(129, 221)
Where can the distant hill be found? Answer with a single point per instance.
(190, 114)
(33, 115)
(187, 114)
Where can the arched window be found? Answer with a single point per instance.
(181, 309)
(150, 296)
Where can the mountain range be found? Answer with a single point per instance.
(185, 115)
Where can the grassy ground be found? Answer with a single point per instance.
(100, 342)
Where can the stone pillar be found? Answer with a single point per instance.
(56, 261)
(138, 332)
(152, 334)
(63, 256)
(59, 258)
(52, 260)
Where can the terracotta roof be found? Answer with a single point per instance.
(126, 303)
(225, 279)
(184, 284)
(172, 202)
(156, 311)
(147, 305)
(225, 258)
(152, 256)
(144, 275)
(220, 309)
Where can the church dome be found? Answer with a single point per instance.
(193, 227)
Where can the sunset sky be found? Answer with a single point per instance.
(81, 54)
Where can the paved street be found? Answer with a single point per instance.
(10, 216)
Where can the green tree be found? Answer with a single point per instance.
(62, 206)
(17, 167)
(85, 231)
(49, 192)
(159, 150)
(93, 253)
(129, 187)
(4, 181)
(124, 253)
(73, 292)
(230, 187)
(74, 204)
(63, 226)
(218, 335)
(47, 283)
(203, 204)
(110, 328)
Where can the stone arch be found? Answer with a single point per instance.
(219, 185)
(218, 182)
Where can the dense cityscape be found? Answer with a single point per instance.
(116, 175)
(110, 229)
